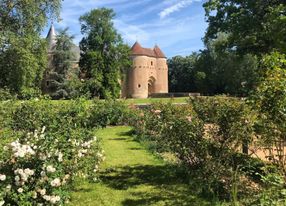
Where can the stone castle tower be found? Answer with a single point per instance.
(148, 75)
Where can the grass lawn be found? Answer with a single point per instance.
(127, 101)
(154, 100)
(131, 176)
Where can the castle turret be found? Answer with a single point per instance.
(52, 38)
(149, 73)
(161, 85)
(138, 75)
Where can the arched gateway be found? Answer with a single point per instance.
(148, 75)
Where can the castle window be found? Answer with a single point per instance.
(48, 83)
(151, 63)
(139, 66)
(139, 85)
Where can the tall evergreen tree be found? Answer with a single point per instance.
(62, 65)
(103, 54)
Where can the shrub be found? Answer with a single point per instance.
(111, 112)
(5, 94)
(30, 93)
(39, 168)
(205, 136)
(67, 146)
(274, 190)
(231, 121)
(269, 100)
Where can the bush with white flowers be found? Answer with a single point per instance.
(39, 168)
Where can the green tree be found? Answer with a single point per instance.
(18, 16)
(22, 63)
(62, 65)
(256, 27)
(182, 73)
(22, 51)
(226, 71)
(104, 55)
(215, 70)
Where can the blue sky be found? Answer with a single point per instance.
(177, 26)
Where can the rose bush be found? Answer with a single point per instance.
(37, 167)
(206, 136)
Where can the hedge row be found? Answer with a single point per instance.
(208, 137)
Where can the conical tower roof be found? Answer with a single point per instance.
(52, 38)
(137, 49)
(158, 52)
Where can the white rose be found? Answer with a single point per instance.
(29, 171)
(2, 177)
(58, 198)
(56, 182)
(47, 198)
(43, 129)
(34, 195)
(43, 192)
(60, 157)
(24, 177)
(43, 174)
(67, 177)
(20, 190)
(51, 169)
(17, 178)
(8, 187)
(53, 200)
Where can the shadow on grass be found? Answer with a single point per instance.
(128, 133)
(119, 139)
(135, 148)
(166, 183)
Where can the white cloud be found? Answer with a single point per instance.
(131, 33)
(176, 7)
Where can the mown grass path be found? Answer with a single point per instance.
(132, 176)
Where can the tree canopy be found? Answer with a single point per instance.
(257, 27)
(214, 71)
(103, 54)
(22, 51)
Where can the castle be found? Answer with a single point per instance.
(148, 75)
